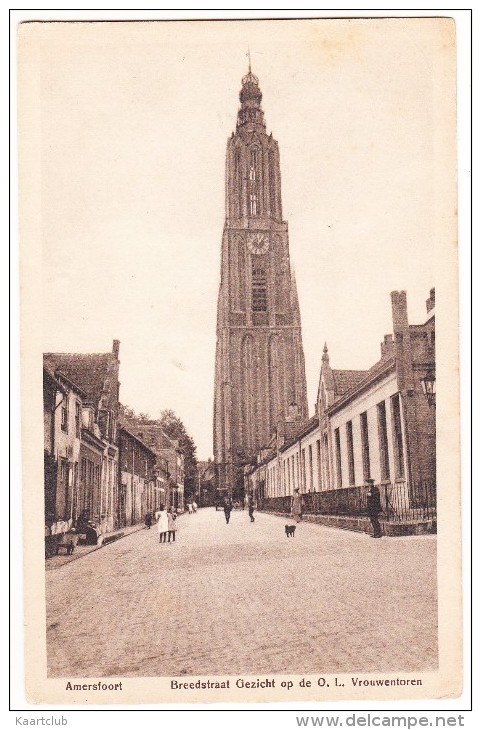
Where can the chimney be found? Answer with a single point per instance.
(115, 348)
(399, 311)
(430, 303)
(387, 347)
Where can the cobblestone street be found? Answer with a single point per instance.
(242, 598)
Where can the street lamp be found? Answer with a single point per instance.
(429, 387)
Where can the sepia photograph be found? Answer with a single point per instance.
(235, 236)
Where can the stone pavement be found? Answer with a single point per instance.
(55, 561)
(242, 598)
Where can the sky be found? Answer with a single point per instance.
(134, 120)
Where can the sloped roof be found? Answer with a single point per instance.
(88, 371)
(152, 435)
(301, 430)
(137, 438)
(345, 380)
(381, 366)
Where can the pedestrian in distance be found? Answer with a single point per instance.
(250, 505)
(162, 523)
(194, 507)
(227, 509)
(374, 507)
(148, 520)
(190, 507)
(172, 524)
(296, 506)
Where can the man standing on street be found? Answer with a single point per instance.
(250, 505)
(374, 507)
(296, 506)
(227, 508)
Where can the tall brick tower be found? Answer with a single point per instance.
(259, 371)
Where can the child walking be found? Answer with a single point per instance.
(171, 519)
(162, 523)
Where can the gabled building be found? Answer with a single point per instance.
(138, 474)
(96, 378)
(376, 424)
(62, 408)
(382, 426)
(169, 456)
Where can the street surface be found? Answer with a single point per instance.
(244, 599)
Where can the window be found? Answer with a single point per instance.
(383, 447)
(236, 164)
(64, 414)
(259, 290)
(311, 470)
(366, 462)
(253, 200)
(64, 480)
(337, 439)
(303, 470)
(83, 470)
(318, 454)
(272, 183)
(350, 452)
(397, 436)
(78, 416)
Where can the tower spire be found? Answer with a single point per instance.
(325, 355)
(249, 57)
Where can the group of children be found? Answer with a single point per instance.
(166, 523)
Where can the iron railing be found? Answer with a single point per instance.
(399, 502)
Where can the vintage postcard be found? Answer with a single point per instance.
(240, 325)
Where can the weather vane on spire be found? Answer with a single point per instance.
(249, 57)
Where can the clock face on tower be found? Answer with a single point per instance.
(258, 243)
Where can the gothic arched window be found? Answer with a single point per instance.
(272, 183)
(259, 290)
(238, 181)
(253, 202)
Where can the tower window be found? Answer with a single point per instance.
(259, 290)
(272, 183)
(237, 181)
(253, 196)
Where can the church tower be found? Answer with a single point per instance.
(259, 371)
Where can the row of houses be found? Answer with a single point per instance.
(376, 424)
(99, 466)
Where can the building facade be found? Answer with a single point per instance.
(93, 419)
(62, 407)
(170, 461)
(137, 478)
(369, 424)
(259, 370)
(205, 486)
